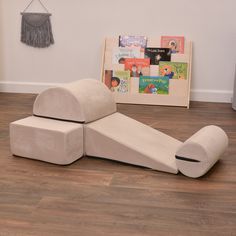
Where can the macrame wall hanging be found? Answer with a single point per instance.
(36, 29)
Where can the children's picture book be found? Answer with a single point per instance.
(107, 78)
(173, 70)
(119, 54)
(154, 85)
(157, 54)
(120, 81)
(133, 41)
(174, 43)
(137, 66)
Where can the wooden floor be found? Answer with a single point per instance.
(100, 197)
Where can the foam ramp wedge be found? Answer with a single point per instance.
(47, 140)
(118, 137)
(201, 151)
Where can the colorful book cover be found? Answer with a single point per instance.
(154, 85)
(175, 43)
(107, 78)
(119, 54)
(120, 81)
(157, 54)
(133, 41)
(173, 70)
(138, 66)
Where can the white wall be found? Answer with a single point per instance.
(1, 45)
(80, 26)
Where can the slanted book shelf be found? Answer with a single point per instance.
(178, 93)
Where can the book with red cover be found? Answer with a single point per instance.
(138, 66)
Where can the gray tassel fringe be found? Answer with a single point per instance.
(36, 30)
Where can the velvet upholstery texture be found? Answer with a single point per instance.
(85, 101)
(201, 151)
(91, 126)
(118, 137)
(47, 140)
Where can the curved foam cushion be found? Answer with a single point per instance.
(47, 140)
(201, 151)
(81, 101)
(118, 137)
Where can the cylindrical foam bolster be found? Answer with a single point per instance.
(201, 151)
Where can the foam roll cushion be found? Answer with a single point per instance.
(201, 151)
(81, 101)
(47, 140)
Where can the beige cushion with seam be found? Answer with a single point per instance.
(118, 137)
(47, 140)
(85, 100)
(201, 151)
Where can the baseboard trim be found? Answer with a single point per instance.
(205, 95)
(25, 87)
(196, 94)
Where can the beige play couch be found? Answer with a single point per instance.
(81, 119)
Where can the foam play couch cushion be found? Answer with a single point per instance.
(201, 151)
(107, 134)
(47, 140)
(118, 137)
(81, 101)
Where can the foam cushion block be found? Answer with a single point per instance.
(118, 137)
(81, 101)
(48, 140)
(201, 151)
